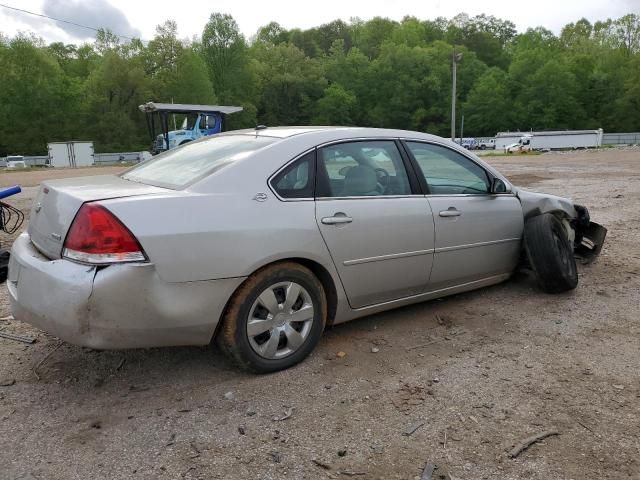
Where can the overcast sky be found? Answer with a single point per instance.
(139, 18)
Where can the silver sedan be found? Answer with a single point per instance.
(261, 238)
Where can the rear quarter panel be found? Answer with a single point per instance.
(197, 236)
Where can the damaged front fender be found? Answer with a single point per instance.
(589, 236)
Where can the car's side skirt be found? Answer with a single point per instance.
(380, 307)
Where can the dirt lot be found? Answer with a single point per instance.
(501, 364)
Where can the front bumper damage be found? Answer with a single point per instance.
(589, 235)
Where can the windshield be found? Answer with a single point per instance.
(185, 165)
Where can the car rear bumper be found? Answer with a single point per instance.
(119, 306)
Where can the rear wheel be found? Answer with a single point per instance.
(275, 319)
(550, 254)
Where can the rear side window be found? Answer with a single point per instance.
(297, 180)
(185, 165)
(447, 172)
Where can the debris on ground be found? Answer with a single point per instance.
(341, 354)
(7, 382)
(321, 464)
(411, 429)
(375, 349)
(46, 357)
(527, 442)
(409, 396)
(428, 471)
(287, 414)
(17, 338)
(276, 457)
(229, 396)
(342, 452)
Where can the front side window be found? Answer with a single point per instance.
(297, 180)
(447, 172)
(365, 168)
(187, 164)
(208, 122)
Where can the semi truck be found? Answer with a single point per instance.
(551, 140)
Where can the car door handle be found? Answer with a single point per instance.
(451, 212)
(336, 220)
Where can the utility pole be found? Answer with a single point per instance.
(456, 58)
(462, 129)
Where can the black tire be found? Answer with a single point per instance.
(550, 254)
(4, 265)
(233, 337)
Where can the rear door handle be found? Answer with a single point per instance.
(450, 212)
(336, 220)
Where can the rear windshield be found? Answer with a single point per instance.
(187, 164)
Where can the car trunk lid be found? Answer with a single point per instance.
(58, 201)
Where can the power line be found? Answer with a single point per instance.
(63, 21)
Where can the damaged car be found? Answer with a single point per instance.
(259, 239)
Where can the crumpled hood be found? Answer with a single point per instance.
(534, 203)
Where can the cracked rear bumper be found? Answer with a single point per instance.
(119, 306)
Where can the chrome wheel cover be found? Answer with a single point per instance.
(280, 320)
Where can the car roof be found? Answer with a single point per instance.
(328, 133)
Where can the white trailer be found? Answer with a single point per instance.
(70, 154)
(552, 140)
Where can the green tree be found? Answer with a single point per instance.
(225, 51)
(36, 101)
(289, 85)
(336, 107)
(488, 106)
(115, 89)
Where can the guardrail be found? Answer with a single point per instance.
(119, 157)
(102, 159)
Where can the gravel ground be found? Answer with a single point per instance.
(496, 366)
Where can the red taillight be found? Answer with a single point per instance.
(97, 236)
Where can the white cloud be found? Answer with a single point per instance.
(131, 18)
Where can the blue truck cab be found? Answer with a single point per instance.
(199, 121)
(193, 127)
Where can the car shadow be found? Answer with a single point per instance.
(139, 370)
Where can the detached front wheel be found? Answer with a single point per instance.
(275, 319)
(550, 254)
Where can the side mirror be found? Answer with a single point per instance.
(498, 186)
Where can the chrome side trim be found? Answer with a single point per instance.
(479, 244)
(390, 256)
(358, 139)
(431, 293)
(440, 195)
(369, 197)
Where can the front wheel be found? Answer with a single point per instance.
(550, 254)
(274, 319)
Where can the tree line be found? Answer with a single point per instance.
(380, 73)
